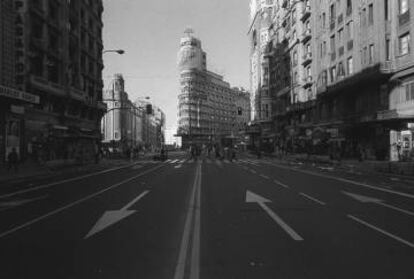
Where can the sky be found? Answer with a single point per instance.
(150, 31)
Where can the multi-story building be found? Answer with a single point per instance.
(59, 59)
(207, 103)
(361, 69)
(260, 31)
(12, 100)
(154, 120)
(128, 124)
(122, 125)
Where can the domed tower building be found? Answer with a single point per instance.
(207, 103)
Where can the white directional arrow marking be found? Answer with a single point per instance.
(255, 198)
(365, 199)
(109, 218)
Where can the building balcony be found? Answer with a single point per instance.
(45, 85)
(307, 82)
(306, 36)
(350, 45)
(306, 13)
(340, 19)
(333, 56)
(301, 106)
(332, 24)
(341, 51)
(387, 67)
(348, 11)
(307, 59)
(78, 94)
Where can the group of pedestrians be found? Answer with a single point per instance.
(219, 152)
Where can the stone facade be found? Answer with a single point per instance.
(358, 78)
(59, 59)
(207, 104)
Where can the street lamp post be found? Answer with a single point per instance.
(119, 51)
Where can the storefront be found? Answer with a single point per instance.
(13, 121)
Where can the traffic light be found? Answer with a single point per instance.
(149, 108)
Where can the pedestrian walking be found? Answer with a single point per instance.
(13, 160)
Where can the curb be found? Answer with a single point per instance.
(49, 173)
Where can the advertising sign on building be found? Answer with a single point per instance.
(19, 95)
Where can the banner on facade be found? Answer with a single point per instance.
(19, 95)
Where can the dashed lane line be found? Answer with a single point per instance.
(411, 196)
(281, 184)
(312, 199)
(399, 239)
(264, 176)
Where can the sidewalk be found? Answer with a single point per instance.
(29, 171)
(402, 169)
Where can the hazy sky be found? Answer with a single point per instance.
(150, 31)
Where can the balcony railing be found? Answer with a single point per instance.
(307, 82)
(307, 58)
(332, 24)
(306, 13)
(306, 36)
(387, 67)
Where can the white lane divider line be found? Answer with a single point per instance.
(178, 166)
(195, 253)
(36, 188)
(253, 163)
(70, 205)
(281, 184)
(137, 167)
(16, 203)
(192, 225)
(411, 196)
(253, 171)
(174, 161)
(312, 198)
(399, 239)
(264, 176)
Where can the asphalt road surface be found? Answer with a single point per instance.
(208, 219)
